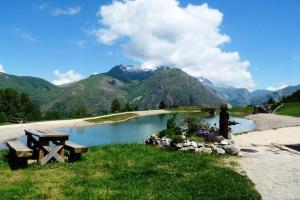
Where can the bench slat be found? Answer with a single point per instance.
(20, 149)
(76, 148)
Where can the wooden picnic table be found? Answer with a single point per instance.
(46, 144)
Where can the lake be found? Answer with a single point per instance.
(137, 130)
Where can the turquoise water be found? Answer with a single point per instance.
(136, 130)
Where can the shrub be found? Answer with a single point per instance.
(177, 139)
(195, 124)
(166, 133)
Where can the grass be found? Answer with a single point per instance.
(113, 118)
(130, 171)
(241, 111)
(186, 108)
(290, 109)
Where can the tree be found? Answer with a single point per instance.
(128, 107)
(51, 115)
(80, 112)
(115, 106)
(3, 117)
(162, 105)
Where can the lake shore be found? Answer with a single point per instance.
(12, 131)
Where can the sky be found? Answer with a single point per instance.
(250, 43)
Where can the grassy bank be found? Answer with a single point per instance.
(241, 111)
(113, 118)
(290, 109)
(127, 172)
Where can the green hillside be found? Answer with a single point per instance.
(290, 109)
(174, 87)
(96, 93)
(38, 89)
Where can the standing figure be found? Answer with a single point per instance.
(224, 121)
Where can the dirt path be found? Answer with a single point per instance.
(275, 172)
(272, 166)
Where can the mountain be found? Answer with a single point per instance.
(295, 97)
(129, 73)
(144, 88)
(174, 87)
(243, 97)
(37, 88)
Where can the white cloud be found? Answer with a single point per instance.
(2, 69)
(68, 11)
(296, 57)
(81, 43)
(42, 6)
(24, 35)
(271, 88)
(67, 77)
(163, 33)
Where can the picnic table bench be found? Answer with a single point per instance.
(44, 146)
(75, 150)
(18, 153)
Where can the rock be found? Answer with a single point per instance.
(179, 145)
(199, 150)
(200, 145)
(207, 150)
(232, 149)
(152, 140)
(194, 144)
(224, 142)
(166, 142)
(219, 151)
(206, 145)
(190, 148)
(230, 136)
(187, 143)
(219, 139)
(213, 147)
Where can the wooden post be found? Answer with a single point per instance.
(224, 121)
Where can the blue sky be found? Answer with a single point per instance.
(39, 37)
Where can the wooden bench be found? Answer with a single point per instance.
(75, 150)
(18, 154)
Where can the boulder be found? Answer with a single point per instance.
(207, 150)
(219, 151)
(224, 142)
(219, 138)
(190, 149)
(179, 145)
(152, 140)
(200, 145)
(194, 144)
(166, 142)
(232, 149)
(199, 150)
(187, 143)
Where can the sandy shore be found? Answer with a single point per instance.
(8, 132)
(272, 121)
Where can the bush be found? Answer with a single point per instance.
(177, 139)
(166, 133)
(194, 124)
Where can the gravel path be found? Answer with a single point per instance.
(274, 168)
(272, 121)
(275, 172)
